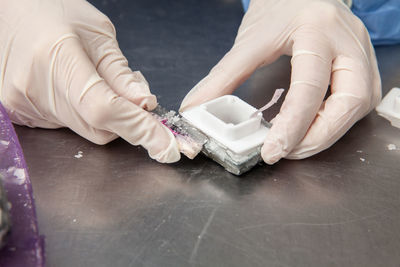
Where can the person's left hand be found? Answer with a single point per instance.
(328, 43)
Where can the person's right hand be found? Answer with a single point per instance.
(60, 66)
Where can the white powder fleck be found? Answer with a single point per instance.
(362, 159)
(79, 155)
(74, 220)
(359, 151)
(19, 174)
(5, 143)
(391, 147)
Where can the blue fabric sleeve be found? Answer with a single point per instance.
(245, 4)
(381, 17)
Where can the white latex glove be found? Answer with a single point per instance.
(327, 44)
(60, 66)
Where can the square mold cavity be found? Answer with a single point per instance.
(228, 120)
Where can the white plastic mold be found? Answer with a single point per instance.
(227, 120)
(389, 108)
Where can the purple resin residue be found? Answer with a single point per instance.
(24, 246)
(165, 122)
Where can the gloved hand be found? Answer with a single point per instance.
(327, 44)
(60, 66)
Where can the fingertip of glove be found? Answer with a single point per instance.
(171, 153)
(148, 102)
(183, 107)
(139, 93)
(271, 152)
(186, 102)
(190, 98)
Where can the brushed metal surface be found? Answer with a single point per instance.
(114, 206)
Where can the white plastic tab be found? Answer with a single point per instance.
(228, 120)
(389, 108)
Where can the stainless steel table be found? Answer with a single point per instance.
(116, 207)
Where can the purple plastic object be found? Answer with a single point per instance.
(24, 246)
